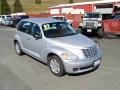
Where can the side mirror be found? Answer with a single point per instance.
(37, 36)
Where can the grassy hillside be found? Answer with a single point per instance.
(30, 7)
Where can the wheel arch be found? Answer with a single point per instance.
(52, 54)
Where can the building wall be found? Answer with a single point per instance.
(87, 8)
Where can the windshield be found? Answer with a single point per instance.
(58, 29)
(92, 15)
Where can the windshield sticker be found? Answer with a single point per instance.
(48, 27)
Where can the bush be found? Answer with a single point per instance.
(37, 1)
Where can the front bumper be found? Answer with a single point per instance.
(81, 66)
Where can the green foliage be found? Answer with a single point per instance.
(5, 8)
(0, 6)
(37, 1)
(71, 1)
(17, 6)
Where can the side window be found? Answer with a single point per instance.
(3, 16)
(36, 30)
(24, 27)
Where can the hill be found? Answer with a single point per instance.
(30, 7)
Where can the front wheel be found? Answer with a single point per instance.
(56, 66)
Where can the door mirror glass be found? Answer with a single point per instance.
(37, 36)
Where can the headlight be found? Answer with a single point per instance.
(81, 24)
(69, 56)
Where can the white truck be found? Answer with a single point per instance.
(92, 23)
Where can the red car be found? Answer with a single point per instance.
(112, 25)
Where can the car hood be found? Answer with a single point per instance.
(74, 41)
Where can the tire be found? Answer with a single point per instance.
(80, 30)
(56, 66)
(100, 32)
(18, 49)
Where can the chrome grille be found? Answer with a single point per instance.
(90, 24)
(90, 52)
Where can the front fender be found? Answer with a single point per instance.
(56, 50)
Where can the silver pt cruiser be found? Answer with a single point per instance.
(57, 44)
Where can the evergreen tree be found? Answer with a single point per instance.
(17, 6)
(0, 6)
(5, 8)
(37, 1)
(71, 1)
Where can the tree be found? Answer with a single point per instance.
(0, 6)
(37, 1)
(71, 1)
(17, 6)
(5, 8)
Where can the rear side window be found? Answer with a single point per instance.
(24, 26)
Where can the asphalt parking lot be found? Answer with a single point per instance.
(25, 73)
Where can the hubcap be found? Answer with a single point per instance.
(55, 66)
(17, 48)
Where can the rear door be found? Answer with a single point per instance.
(23, 29)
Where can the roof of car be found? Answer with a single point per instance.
(41, 20)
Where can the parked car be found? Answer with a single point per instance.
(63, 18)
(60, 18)
(7, 21)
(4, 17)
(18, 18)
(57, 44)
(92, 23)
(0, 19)
(112, 26)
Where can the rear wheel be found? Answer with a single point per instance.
(18, 49)
(56, 66)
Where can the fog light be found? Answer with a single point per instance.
(75, 69)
